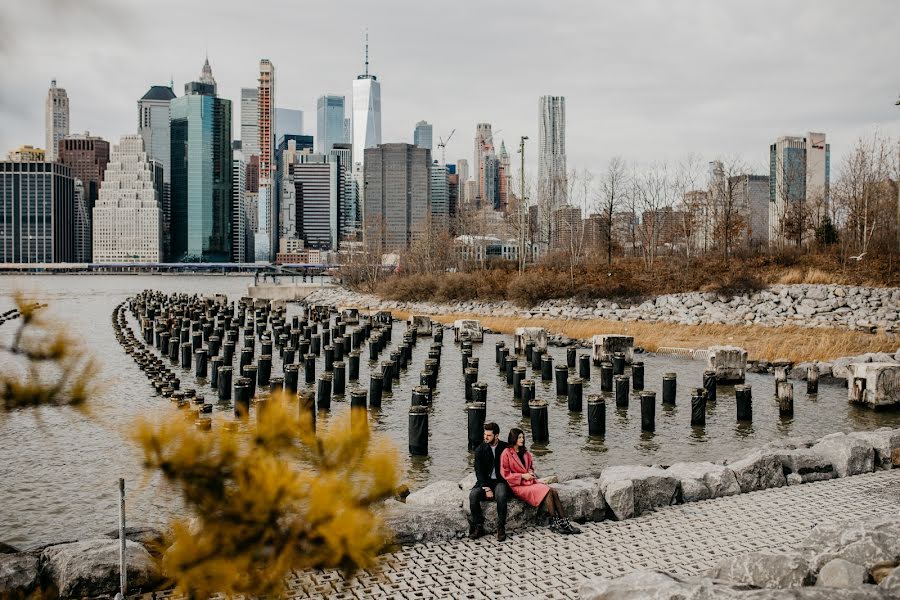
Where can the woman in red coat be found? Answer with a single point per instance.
(517, 468)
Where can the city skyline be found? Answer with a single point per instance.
(663, 92)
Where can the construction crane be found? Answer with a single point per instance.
(443, 146)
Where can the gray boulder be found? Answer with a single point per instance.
(764, 570)
(704, 480)
(884, 441)
(413, 524)
(8, 549)
(440, 493)
(891, 584)
(582, 499)
(91, 567)
(840, 573)
(656, 585)
(865, 544)
(468, 482)
(758, 471)
(840, 368)
(650, 487)
(19, 575)
(149, 537)
(848, 455)
(808, 464)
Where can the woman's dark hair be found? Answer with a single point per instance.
(514, 437)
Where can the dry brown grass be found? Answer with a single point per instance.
(762, 343)
(811, 276)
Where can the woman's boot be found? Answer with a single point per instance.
(568, 527)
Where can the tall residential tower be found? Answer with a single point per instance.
(56, 119)
(551, 162)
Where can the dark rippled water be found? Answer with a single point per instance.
(58, 468)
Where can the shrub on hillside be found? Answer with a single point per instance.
(535, 286)
(409, 288)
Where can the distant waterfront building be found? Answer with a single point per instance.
(266, 123)
(551, 161)
(37, 205)
(154, 126)
(453, 199)
(366, 114)
(56, 119)
(799, 187)
(330, 114)
(440, 197)
(288, 121)
(422, 136)
(751, 194)
(484, 146)
(239, 227)
(201, 174)
(250, 122)
(348, 130)
(27, 154)
(317, 180)
(490, 194)
(349, 211)
(128, 215)
(503, 176)
(470, 191)
(87, 157)
(462, 169)
(398, 190)
(567, 228)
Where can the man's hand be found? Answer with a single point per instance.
(488, 492)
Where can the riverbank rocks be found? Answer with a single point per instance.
(840, 573)
(704, 480)
(758, 471)
(19, 575)
(416, 524)
(631, 491)
(439, 493)
(848, 455)
(764, 570)
(866, 544)
(91, 567)
(582, 499)
(884, 441)
(799, 462)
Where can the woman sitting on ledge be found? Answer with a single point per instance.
(517, 468)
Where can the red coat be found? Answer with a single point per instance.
(512, 469)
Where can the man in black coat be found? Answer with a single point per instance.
(490, 485)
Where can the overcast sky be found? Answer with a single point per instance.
(648, 80)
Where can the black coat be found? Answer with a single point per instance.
(485, 461)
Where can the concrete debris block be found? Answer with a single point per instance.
(704, 480)
(605, 346)
(651, 488)
(440, 493)
(538, 335)
(884, 441)
(19, 575)
(582, 499)
(764, 570)
(729, 363)
(840, 573)
(91, 567)
(758, 471)
(875, 384)
(848, 455)
(413, 524)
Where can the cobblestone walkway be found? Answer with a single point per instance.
(684, 539)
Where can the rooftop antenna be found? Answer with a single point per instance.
(367, 52)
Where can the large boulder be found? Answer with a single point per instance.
(764, 570)
(19, 575)
(413, 524)
(582, 499)
(884, 441)
(865, 544)
(758, 471)
(654, 585)
(91, 567)
(804, 463)
(149, 537)
(891, 584)
(440, 493)
(848, 455)
(840, 573)
(650, 487)
(518, 514)
(704, 480)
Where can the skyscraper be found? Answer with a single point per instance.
(87, 157)
(503, 175)
(799, 187)
(239, 228)
(56, 119)
(366, 113)
(155, 128)
(462, 169)
(128, 216)
(440, 197)
(329, 123)
(249, 122)
(484, 145)
(37, 202)
(267, 119)
(551, 162)
(350, 214)
(201, 174)
(317, 181)
(422, 136)
(288, 121)
(398, 190)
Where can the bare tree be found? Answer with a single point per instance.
(656, 195)
(729, 211)
(693, 205)
(611, 196)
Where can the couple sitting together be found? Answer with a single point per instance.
(505, 468)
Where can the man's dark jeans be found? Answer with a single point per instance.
(501, 496)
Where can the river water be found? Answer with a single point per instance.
(59, 468)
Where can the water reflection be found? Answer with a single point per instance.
(698, 434)
(743, 430)
(648, 443)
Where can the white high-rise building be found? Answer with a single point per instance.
(484, 146)
(82, 224)
(366, 113)
(440, 197)
(799, 187)
(422, 136)
(128, 216)
(250, 121)
(238, 207)
(56, 120)
(330, 115)
(551, 162)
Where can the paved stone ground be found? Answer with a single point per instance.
(684, 539)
